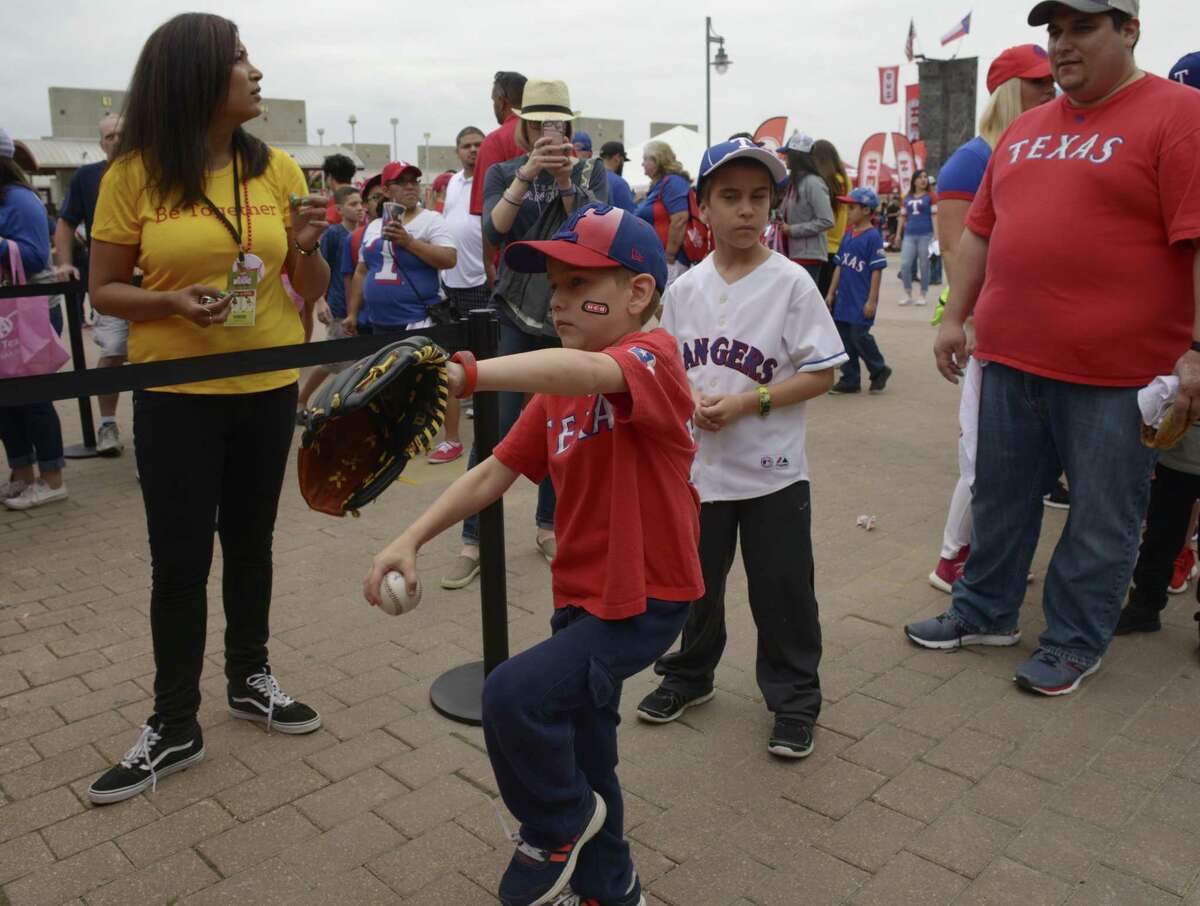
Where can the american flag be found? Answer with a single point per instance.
(961, 30)
(912, 37)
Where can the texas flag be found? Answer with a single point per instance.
(961, 30)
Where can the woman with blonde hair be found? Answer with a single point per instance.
(665, 206)
(1018, 80)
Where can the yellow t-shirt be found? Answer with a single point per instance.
(180, 246)
(839, 218)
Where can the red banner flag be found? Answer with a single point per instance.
(770, 134)
(912, 112)
(870, 160)
(920, 154)
(905, 161)
(889, 83)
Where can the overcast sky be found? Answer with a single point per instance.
(815, 62)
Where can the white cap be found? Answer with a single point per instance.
(800, 141)
(7, 148)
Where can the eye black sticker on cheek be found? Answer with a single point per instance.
(595, 308)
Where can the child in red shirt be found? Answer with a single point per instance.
(610, 423)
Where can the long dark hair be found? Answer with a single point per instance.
(11, 174)
(801, 164)
(912, 189)
(179, 83)
(830, 166)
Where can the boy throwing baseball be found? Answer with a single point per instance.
(609, 422)
(757, 342)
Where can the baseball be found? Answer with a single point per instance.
(394, 597)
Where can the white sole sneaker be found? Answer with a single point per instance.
(593, 828)
(939, 583)
(992, 639)
(1057, 690)
(656, 719)
(110, 796)
(307, 727)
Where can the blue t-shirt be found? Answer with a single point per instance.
(858, 258)
(335, 242)
(23, 221)
(619, 194)
(961, 176)
(919, 209)
(674, 193)
(80, 204)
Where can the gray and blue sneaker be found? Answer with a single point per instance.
(947, 631)
(1050, 674)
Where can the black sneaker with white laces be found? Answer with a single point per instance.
(259, 698)
(791, 738)
(155, 755)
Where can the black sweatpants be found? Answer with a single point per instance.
(205, 458)
(777, 554)
(1172, 495)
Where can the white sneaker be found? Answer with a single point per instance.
(37, 494)
(108, 440)
(10, 489)
(920, 302)
(905, 301)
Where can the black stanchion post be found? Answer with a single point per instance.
(458, 693)
(74, 306)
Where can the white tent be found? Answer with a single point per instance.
(688, 146)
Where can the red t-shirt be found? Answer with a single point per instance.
(627, 521)
(499, 145)
(331, 213)
(1090, 213)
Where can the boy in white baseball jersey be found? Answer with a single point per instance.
(757, 342)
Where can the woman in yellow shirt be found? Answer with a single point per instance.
(203, 208)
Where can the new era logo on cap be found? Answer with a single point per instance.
(596, 235)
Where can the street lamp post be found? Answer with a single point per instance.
(353, 121)
(720, 63)
(427, 136)
(395, 153)
(321, 136)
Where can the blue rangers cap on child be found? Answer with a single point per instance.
(596, 235)
(863, 195)
(738, 149)
(1187, 70)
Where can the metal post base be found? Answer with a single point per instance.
(79, 451)
(458, 694)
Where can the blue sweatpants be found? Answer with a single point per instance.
(550, 717)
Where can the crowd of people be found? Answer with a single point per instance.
(765, 273)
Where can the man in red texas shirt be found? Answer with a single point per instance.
(1068, 335)
(499, 145)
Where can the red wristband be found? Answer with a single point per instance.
(466, 359)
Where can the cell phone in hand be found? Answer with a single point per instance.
(555, 130)
(393, 210)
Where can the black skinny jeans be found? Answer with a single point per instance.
(1172, 495)
(206, 458)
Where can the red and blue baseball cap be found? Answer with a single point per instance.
(596, 235)
(1187, 70)
(863, 195)
(1025, 61)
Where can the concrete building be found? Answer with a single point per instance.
(601, 130)
(75, 114)
(435, 159)
(948, 94)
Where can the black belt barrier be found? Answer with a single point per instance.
(457, 694)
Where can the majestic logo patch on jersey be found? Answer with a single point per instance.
(775, 462)
(645, 356)
(595, 308)
(735, 354)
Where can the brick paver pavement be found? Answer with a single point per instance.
(934, 779)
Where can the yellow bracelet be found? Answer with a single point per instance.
(764, 402)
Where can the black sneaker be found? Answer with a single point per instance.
(258, 698)
(879, 382)
(663, 705)
(842, 387)
(791, 738)
(152, 757)
(1137, 619)
(536, 877)
(1059, 498)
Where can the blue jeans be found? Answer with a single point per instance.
(859, 344)
(550, 717)
(914, 251)
(32, 433)
(512, 341)
(1028, 425)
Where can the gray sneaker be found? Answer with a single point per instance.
(108, 440)
(1049, 674)
(947, 631)
(462, 572)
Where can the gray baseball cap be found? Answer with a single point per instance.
(1044, 12)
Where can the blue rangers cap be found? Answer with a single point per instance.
(1187, 70)
(741, 149)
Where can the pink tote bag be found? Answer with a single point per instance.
(28, 342)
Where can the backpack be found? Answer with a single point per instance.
(697, 238)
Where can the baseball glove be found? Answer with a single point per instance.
(366, 423)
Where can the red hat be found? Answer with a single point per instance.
(396, 169)
(1025, 61)
(442, 180)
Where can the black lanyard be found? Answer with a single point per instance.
(237, 206)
